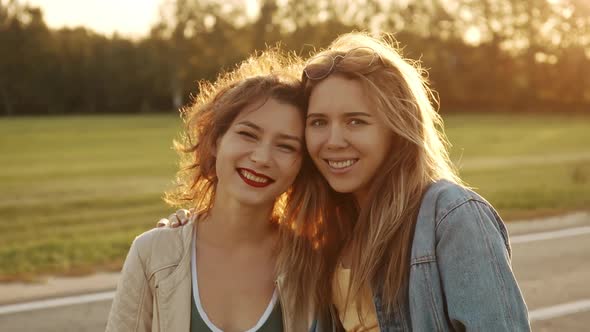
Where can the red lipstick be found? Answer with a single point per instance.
(252, 183)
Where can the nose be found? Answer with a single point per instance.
(336, 138)
(261, 155)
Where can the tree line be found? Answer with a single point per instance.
(488, 55)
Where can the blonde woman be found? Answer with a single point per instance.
(408, 247)
(242, 151)
(425, 253)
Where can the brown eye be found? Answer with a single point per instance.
(247, 134)
(287, 148)
(317, 123)
(357, 122)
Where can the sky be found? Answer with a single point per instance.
(131, 18)
(127, 17)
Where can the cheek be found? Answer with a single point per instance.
(228, 155)
(221, 170)
(232, 147)
(313, 143)
(291, 167)
(382, 146)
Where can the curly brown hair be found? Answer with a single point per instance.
(269, 74)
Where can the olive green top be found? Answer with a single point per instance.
(274, 322)
(270, 321)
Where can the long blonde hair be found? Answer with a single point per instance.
(380, 236)
(309, 244)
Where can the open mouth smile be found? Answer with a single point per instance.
(254, 179)
(341, 165)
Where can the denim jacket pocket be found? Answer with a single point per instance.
(426, 295)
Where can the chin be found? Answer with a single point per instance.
(343, 188)
(254, 202)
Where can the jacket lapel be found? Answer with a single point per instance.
(173, 293)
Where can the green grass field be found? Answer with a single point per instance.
(75, 191)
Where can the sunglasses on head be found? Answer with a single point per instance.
(321, 66)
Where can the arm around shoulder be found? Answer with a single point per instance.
(132, 306)
(481, 292)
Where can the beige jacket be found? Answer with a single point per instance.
(154, 290)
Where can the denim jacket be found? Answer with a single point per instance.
(460, 275)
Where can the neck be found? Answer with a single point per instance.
(231, 224)
(361, 198)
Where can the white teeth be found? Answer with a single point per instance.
(253, 177)
(341, 164)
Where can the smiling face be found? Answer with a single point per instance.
(260, 155)
(346, 138)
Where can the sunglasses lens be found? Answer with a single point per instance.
(321, 66)
(360, 52)
(318, 67)
(363, 55)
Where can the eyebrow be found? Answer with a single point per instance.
(349, 114)
(250, 124)
(283, 136)
(290, 137)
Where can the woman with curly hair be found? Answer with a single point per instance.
(242, 156)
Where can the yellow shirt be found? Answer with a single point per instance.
(349, 316)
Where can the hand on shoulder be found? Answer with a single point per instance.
(179, 218)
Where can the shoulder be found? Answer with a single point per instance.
(161, 247)
(163, 238)
(460, 211)
(443, 197)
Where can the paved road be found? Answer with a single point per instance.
(550, 272)
(89, 317)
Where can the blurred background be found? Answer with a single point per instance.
(90, 92)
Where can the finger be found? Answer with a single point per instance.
(183, 216)
(174, 221)
(162, 222)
